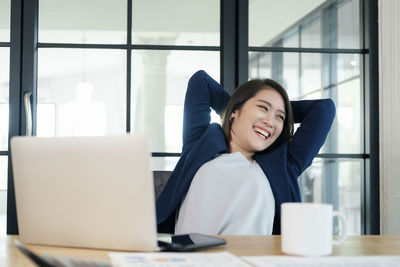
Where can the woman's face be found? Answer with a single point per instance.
(258, 123)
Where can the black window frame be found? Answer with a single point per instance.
(369, 86)
(234, 49)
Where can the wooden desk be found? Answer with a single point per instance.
(238, 245)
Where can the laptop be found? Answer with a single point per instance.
(91, 192)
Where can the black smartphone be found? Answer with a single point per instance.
(190, 242)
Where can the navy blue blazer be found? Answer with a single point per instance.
(203, 141)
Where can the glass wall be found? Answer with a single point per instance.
(331, 29)
(311, 21)
(81, 92)
(87, 22)
(159, 110)
(5, 20)
(176, 22)
(114, 81)
(4, 103)
(110, 67)
(4, 96)
(4, 106)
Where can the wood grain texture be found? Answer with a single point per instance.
(238, 245)
(389, 119)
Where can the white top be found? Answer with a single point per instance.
(228, 195)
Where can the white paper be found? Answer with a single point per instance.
(332, 261)
(220, 259)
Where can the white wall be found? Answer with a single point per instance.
(389, 119)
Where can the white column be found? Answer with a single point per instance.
(154, 94)
(149, 108)
(389, 119)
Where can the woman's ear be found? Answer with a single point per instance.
(232, 117)
(234, 114)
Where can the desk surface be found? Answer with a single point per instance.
(238, 245)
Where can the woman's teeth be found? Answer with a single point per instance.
(262, 132)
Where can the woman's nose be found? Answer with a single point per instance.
(268, 119)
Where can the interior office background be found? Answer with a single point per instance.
(110, 67)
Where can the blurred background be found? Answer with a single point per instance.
(109, 67)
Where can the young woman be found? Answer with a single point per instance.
(232, 179)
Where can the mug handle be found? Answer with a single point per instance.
(343, 234)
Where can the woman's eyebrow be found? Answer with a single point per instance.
(270, 105)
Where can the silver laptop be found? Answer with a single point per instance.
(92, 192)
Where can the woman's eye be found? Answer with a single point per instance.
(264, 108)
(281, 118)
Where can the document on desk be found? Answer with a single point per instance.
(330, 261)
(174, 259)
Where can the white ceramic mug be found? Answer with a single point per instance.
(306, 229)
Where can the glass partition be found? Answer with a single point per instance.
(303, 75)
(175, 22)
(5, 18)
(336, 181)
(81, 92)
(89, 21)
(159, 81)
(320, 23)
(4, 96)
(3, 172)
(5, 8)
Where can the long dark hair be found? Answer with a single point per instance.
(246, 91)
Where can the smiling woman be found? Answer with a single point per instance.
(264, 105)
(233, 179)
(260, 118)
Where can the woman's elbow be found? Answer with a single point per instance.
(329, 107)
(198, 75)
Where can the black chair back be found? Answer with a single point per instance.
(160, 179)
